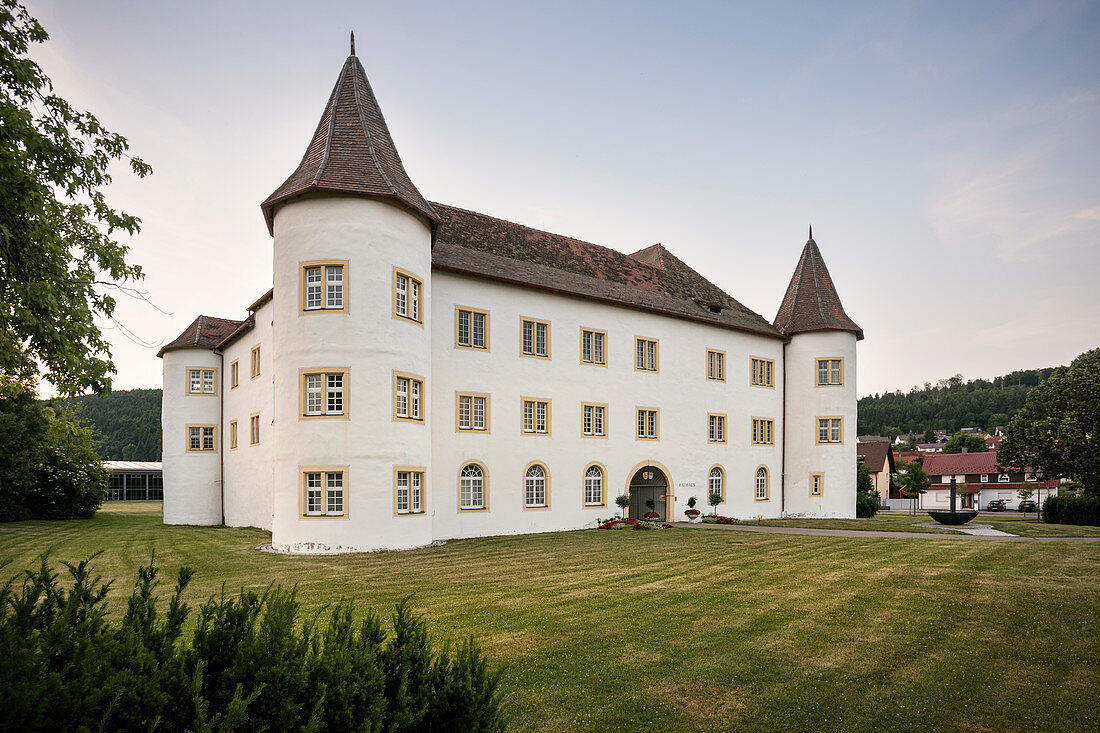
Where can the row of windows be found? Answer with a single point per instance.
(1003, 478)
(324, 489)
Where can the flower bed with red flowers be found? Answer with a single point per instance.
(651, 515)
(720, 520)
(634, 524)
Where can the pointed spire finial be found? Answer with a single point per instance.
(353, 43)
(811, 231)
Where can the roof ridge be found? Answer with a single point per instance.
(331, 107)
(366, 129)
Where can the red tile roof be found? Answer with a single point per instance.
(205, 332)
(351, 152)
(651, 279)
(942, 464)
(811, 302)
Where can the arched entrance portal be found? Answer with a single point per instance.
(649, 482)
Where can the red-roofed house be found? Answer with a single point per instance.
(980, 472)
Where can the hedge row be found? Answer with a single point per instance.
(1072, 510)
(254, 663)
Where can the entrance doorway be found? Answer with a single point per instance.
(648, 483)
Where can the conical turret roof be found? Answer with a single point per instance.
(351, 152)
(811, 302)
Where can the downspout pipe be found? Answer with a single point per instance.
(224, 437)
(783, 450)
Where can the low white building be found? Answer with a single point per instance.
(422, 372)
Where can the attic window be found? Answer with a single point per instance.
(715, 308)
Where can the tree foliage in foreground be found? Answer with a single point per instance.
(951, 404)
(49, 468)
(866, 497)
(1058, 430)
(127, 421)
(59, 254)
(253, 663)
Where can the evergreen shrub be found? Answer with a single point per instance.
(253, 663)
(1064, 509)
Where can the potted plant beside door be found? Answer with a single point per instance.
(691, 512)
(650, 505)
(623, 500)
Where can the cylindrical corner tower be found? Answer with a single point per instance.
(819, 382)
(352, 338)
(191, 427)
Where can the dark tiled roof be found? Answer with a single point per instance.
(811, 302)
(652, 279)
(205, 332)
(351, 152)
(876, 455)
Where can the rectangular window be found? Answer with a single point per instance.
(202, 381)
(645, 355)
(323, 286)
(649, 423)
(593, 420)
(535, 338)
(593, 347)
(536, 416)
(254, 429)
(408, 490)
(471, 328)
(763, 431)
(830, 430)
(233, 375)
(472, 412)
(406, 295)
(201, 438)
(716, 365)
(324, 492)
(817, 484)
(985, 478)
(830, 372)
(323, 393)
(407, 391)
(760, 372)
(716, 428)
(232, 435)
(254, 362)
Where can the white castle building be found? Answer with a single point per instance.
(421, 372)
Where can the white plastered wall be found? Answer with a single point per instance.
(680, 390)
(248, 468)
(806, 402)
(373, 237)
(192, 481)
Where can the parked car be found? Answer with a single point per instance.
(1027, 505)
(997, 505)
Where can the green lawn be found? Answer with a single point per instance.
(904, 522)
(698, 630)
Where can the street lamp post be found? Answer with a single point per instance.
(1038, 492)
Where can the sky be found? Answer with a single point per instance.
(946, 153)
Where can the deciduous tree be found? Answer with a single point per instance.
(60, 259)
(1058, 429)
(972, 443)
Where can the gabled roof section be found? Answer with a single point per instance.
(351, 152)
(941, 464)
(484, 246)
(876, 455)
(205, 332)
(811, 302)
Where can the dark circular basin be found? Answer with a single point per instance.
(947, 517)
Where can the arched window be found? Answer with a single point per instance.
(593, 486)
(716, 482)
(535, 486)
(471, 487)
(762, 484)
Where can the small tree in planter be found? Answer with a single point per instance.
(623, 500)
(692, 512)
(714, 500)
(651, 506)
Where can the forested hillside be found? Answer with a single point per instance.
(950, 404)
(128, 422)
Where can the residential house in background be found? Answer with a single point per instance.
(981, 474)
(879, 460)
